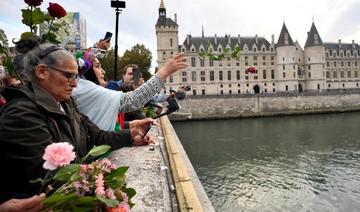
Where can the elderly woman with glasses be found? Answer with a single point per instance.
(42, 112)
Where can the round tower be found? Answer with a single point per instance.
(286, 71)
(314, 61)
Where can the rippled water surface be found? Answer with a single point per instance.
(295, 163)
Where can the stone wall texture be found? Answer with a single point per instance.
(232, 106)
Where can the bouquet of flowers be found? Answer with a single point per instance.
(95, 186)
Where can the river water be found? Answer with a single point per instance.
(293, 163)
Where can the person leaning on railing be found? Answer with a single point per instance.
(42, 112)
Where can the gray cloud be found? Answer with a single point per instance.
(347, 25)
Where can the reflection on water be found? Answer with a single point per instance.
(295, 163)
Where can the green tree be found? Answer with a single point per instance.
(138, 55)
(107, 64)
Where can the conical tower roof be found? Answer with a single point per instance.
(313, 38)
(284, 37)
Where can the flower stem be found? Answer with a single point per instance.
(50, 26)
(31, 19)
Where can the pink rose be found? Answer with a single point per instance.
(56, 11)
(58, 154)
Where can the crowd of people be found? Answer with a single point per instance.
(66, 98)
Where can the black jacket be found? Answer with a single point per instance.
(31, 120)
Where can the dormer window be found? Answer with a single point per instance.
(254, 49)
(192, 49)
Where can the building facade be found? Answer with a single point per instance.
(283, 66)
(71, 33)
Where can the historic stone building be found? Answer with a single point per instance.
(283, 66)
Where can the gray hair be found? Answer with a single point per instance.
(47, 54)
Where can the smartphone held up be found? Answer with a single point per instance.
(107, 37)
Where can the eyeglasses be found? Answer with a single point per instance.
(68, 75)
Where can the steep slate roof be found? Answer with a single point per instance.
(281, 41)
(224, 41)
(313, 38)
(163, 21)
(343, 46)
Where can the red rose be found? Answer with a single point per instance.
(33, 3)
(56, 11)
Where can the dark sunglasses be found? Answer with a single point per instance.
(68, 75)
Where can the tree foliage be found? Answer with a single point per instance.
(107, 64)
(140, 56)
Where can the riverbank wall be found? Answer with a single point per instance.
(259, 105)
(162, 174)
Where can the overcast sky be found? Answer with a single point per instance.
(334, 19)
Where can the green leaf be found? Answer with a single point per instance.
(115, 183)
(2, 50)
(82, 204)
(64, 173)
(26, 15)
(3, 38)
(130, 192)
(37, 16)
(9, 67)
(47, 17)
(49, 37)
(117, 173)
(56, 200)
(109, 202)
(32, 18)
(98, 151)
(131, 204)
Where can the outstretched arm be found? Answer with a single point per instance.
(138, 98)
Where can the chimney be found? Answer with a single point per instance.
(272, 39)
(215, 39)
(229, 38)
(339, 43)
(175, 18)
(256, 38)
(353, 44)
(239, 40)
(188, 39)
